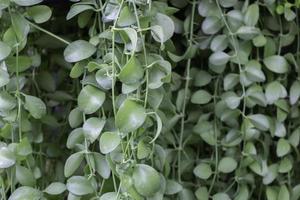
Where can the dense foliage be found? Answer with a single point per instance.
(149, 99)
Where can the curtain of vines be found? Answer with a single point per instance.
(149, 99)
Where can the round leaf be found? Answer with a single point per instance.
(78, 50)
(25, 192)
(92, 128)
(79, 185)
(201, 97)
(227, 165)
(146, 180)
(7, 158)
(203, 171)
(109, 141)
(277, 64)
(40, 13)
(90, 99)
(4, 50)
(35, 106)
(130, 116)
(55, 188)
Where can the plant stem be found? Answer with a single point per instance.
(47, 32)
(186, 88)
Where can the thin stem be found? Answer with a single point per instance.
(18, 94)
(236, 49)
(49, 33)
(145, 54)
(113, 60)
(186, 88)
(216, 140)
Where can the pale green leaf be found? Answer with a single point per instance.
(130, 116)
(109, 141)
(90, 99)
(78, 50)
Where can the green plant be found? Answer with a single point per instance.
(142, 99)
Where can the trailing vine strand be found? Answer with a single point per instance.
(149, 100)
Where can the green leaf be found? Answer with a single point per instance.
(283, 147)
(211, 25)
(259, 41)
(27, 2)
(25, 176)
(126, 17)
(157, 33)
(90, 99)
(72, 163)
(202, 78)
(158, 128)
(296, 192)
(283, 193)
(40, 13)
(92, 128)
(289, 15)
(247, 32)
(172, 187)
(203, 171)
(20, 26)
(202, 193)
(294, 138)
(78, 50)
(110, 196)
(166, 25)
(271, 193)
(277, 64)
(101, 165)
(4, 77)
(201, 97)
(218, 58)
(227, 165)
(243, 193)
(109, 141)
(77, 9)
(228, 3)
(230, 81)
(146, 180)
(7, 158)
(232, 101)
(254, 72)
(143, 150)
(206, 131)
(103, 78)
(4, 51)
(35, 106)
(220, 196)
(252, 15)
(79, 185)
(75, 118)
(75, 138)
(219, 43)
(7, 102)
(260, 121)
(272, 173)
(55, 188)
(132, 72)
(77, 70)
(294, 92)
(132, 36)
(285, 165)
(130, 116)
(24, 147)
(24, 63)
(274, 91)
(26, 192)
